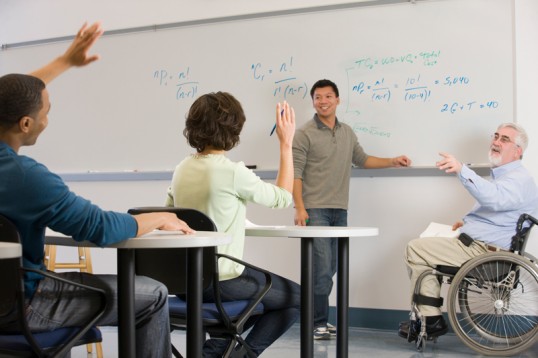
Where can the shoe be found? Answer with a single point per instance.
(405, 332)
(321, 333)
(436, 326)
(331, 329)
(403, 329)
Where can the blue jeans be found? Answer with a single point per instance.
(282, 305)
(56, 304)
(324, 262)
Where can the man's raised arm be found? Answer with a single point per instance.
(75, 56)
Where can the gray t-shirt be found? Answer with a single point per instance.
(322, 158)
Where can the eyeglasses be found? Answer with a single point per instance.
(502, 138)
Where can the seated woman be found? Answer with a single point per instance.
(221, 189)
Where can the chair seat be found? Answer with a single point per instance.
(210, 314)
(18, 343)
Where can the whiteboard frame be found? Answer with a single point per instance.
(422, 171)
(214, 20)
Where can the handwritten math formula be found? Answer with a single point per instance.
(426, 58)
(185, 87)
(285, 84)
(416, 89)
(373, 79)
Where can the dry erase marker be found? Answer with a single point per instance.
(273, 130)
(274, 127)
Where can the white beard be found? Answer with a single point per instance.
(494, 160)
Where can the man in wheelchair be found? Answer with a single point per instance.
(489, 226)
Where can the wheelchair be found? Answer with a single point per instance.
(492, 301)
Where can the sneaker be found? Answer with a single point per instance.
(321, 333)
(331, 329)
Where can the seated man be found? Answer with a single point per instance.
(33, 198)
(491, 223)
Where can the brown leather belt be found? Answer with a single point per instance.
(493, 248)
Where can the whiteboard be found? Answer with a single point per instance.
(414, 79)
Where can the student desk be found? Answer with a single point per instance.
(307, 234)
(126, 273)
(10, 250)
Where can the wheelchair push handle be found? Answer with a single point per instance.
(519, 240)
(523, 218)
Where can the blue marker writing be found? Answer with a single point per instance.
(274, 127)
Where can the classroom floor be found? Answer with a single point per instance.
(362, 343)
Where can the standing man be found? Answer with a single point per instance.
(34, 198)
(489, 226)
(323, 151)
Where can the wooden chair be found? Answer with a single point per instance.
(84, 264)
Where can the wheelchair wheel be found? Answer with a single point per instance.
(493, 303)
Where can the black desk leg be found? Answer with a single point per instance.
(126, 316)
(195, 336)
(307, 298)
(342, 298)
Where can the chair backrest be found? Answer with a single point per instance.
(8, 231)
(174, 261)
(11, 293)
(16, 339)
(520, 239)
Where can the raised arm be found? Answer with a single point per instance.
(75, 56)
(285, 129)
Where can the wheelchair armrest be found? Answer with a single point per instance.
(447, 270)
(255, 300)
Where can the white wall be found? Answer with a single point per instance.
(37, 19)
(400, 207)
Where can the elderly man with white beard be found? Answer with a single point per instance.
(489, 226)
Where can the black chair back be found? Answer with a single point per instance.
(10, 279)
(16, 339)
(223, 319)
(8, 231)
(172, 262)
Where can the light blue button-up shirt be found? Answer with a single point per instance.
(499, 202)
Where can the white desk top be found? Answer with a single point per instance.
(311, 231)
(153, 240)
(9, 250)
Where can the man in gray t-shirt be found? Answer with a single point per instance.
(323, 151)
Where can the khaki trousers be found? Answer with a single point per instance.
(424, 254)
